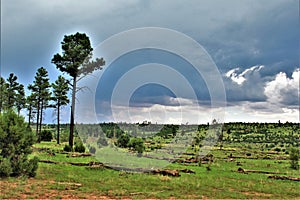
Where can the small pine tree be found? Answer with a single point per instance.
(16, 139)
(46, 135)
(137, 144)
(11, 90)
(79, 147)
(60, 91)
(123, 140)
(294, 158)
(67, 148)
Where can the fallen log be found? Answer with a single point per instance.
(86, 164)
(261, 172)
(72, 163)
(189, 171)
(73, 184)
(77, 164)
(98, 165)
(189, 154)
(166, 172)
(284, 178)
(241, 170)
(49, 161)
(79, 155)
(204, 160)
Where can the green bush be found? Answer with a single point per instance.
(67, 148)
(32, 166)
(137, 144)
(46, 135)
(16, 139)
(294, 158)
(5, 167)
(123, 140)
(79, 147)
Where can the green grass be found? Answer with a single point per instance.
(121, 158)
(222, 181)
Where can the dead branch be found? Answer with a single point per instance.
(285, 178)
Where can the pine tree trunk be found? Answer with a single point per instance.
(29, 116)
(38, 119)
(41, 121)
(71, 136)
(58, 125)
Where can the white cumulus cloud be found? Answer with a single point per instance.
(284, 90)
(240, 78)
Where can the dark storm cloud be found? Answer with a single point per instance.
(245, 85)
(235, 33)
(249, 85)
(269, 36)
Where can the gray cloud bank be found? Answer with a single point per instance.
(255, 45)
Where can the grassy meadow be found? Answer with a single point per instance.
(218, 179)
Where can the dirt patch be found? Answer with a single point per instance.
(252, 194)
(39, 189)
(164, 178)
(256, 194)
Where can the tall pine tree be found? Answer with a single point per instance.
(60, 91)
(31, 107)
(20, 102)
(76, 60)
(41, 90)
(12, 87)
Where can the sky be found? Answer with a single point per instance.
(167, 61)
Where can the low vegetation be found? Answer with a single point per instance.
(16, 139)
(245, 163)
(294, 158)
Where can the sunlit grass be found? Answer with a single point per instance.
(222, 181)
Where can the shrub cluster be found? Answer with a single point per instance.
(79, 147)
(136, 144)
(16, 139)
(46, 135)
(67, 148)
